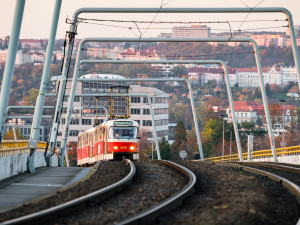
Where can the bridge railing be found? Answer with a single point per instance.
(12, 147)
(293, 150)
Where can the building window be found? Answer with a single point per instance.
(145, 100)
(135, 100)
(74, 121)
(77, 99)
(74, 133)
(147, 123)
(86, 121)
(146, 111)
(135, 111)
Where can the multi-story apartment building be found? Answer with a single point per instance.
(203, 75)
(132, 54)
(24, 126)
(280, 76)
(194, 31)
(84, 116)
(21, 58)
(250, 111)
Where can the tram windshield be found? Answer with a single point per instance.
(123, 133)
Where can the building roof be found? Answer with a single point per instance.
(264, 70)
(102, 76)
(211, 70)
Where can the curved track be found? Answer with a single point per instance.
(271, 171)
(168, 204)
(78, 202)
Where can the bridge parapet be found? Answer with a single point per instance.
(14, 157)
(286, 154)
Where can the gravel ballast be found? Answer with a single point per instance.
(226, 195)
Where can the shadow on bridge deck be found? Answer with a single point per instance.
(27, 186)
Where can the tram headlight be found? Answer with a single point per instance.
(131, 147)
(115, 147)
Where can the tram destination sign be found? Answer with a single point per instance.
(123, 123)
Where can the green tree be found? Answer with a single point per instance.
(178, 71)
(211, 136)
(179, 139)
(164, 148)
(10, 135)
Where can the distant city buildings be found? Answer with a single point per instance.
(243, 77)
(204, 75)
(251, 111)
(132, 54)
(193, 31)
(280, 76)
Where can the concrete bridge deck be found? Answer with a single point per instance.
(27, 186)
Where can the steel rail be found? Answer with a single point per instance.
(168, 204)
(272, 166)
(293, 188)
(43, 215)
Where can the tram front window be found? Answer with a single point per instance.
(123, 133)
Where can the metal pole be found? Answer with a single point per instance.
(230, 143)
(154, 129)
(283, 117)
(265, 100)
(34, 135)
(60, 94)
(195, 120)
(70, 106)
(234, 121)
(223, 138)
(10, 62)
(294, 43)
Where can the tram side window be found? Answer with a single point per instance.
(95, 136)
(79, 142)
(99, 131)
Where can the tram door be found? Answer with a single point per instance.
(104, 142)
(91, 145)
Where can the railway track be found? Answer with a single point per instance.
(285, 174)
(227, 194)
(80, 209)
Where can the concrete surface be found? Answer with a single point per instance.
(27, 186)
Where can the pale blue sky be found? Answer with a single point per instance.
(38, 15)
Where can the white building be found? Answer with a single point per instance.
(194, 31)
(280, 76)
(204, 75)
(21, 58)
(83, 118)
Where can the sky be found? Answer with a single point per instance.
(38, 16)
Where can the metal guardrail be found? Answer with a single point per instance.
(293, 150)
(12, 147)
(12, 144)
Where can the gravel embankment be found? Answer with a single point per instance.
(226, 195)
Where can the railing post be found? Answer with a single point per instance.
(35, 129)
(10, 62)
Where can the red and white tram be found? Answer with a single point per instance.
(112, 139)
